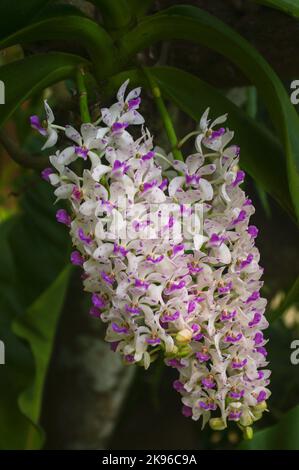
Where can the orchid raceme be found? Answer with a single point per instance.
(168, 256)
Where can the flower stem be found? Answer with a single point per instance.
(173, 140)
(187, 137)
(83, 101)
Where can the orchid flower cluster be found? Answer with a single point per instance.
(164, 285)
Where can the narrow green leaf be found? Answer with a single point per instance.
(59, 9)
(37, 72)
(282, 436)
(291, 7)
(38, 327)
(84, 31)
(15, 15)
(34, 249)
(116, 13)
(193, 24)
(193, 96)
(251, 109)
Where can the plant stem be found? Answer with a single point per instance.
(187, 137)
(172, 137)
(83, 101)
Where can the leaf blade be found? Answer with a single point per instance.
(77, 28)
(289, 7)
(37, 72)
(282, 436)
(193, 24)
(192, 95)
(28, 241)
(37, 326)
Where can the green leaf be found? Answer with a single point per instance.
(193, 24)
(38, 328)
(37, 72)
(14, 15)
(34, 249)
(291, 7)
(84, 31)
(193, 96)
(116, 13)
(59, 9)
(282, 436)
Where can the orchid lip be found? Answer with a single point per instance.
(77, 259)
(208, 383)
(234, 415)
(119, 126)
(81, 152)
(155, 260)
(133, 310)
(176, 363)
(239, 365)
(84, 238)
(178, 386)
(256, 319)
(63, 217)
(153, 341)
(107, 278)
(98, 301)
(46, 173)
(170, 317)
(187, 411)
(119, 329)
(36, 124)
(176, 286)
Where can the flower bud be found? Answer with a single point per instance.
(217, 424)
(246, 419)
(247, 433)
(260, 407)
(184, 336)
(257, 415)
